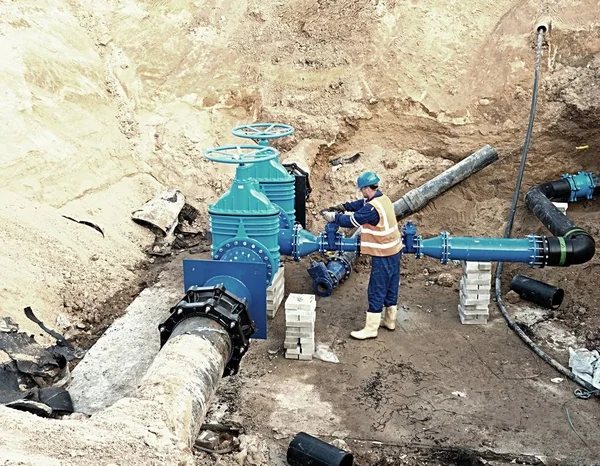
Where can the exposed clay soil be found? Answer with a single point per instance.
(108, 103)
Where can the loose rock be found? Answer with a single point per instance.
(445, 279)
(512, 297)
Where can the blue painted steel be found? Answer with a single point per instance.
(446, 248)
(244, 222)
(244, 249)
(409, 231)
(263, 131)
(279, 187)
(299, 243)
(582, 185)
(322, 281)
(240, 154)
(245, 280)
(367, 179)
(331, 230)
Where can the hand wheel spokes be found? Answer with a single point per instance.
(240, 154)
(260, 131)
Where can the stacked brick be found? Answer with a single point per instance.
(275, 293)
(300, 314)
(475, 289)
(562, 207)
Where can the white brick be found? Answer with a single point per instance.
(472, 319)
(291, 344)
(468, 286)
(474, 310)
(305, 357)
(306, 302)
(292, 356)
(293, 350)
(307, 341)
(562, 206)
(466, 300)
(301, 325)
(474, 292)
(477, 281)
(470, 266)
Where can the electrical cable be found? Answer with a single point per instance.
(498, 282)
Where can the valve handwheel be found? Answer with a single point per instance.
(261, 131)
(241, 155)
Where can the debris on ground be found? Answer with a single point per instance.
(586, 365)
(512, 297)
(446, 279)
(161, 215)
(32, 377)
(324, 353)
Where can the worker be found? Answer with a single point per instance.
(380, 238)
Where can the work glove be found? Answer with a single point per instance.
(328, 216)
(337, 208)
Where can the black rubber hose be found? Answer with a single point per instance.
(511, 323)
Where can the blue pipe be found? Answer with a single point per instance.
(300, 242)
(446, 248)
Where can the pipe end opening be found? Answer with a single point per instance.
(544, 24)
(557, 298)
(323, 288)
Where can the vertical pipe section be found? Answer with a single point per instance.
(184, 375)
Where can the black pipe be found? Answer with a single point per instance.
(306, 450)
(537, 292)
(511, 217)
(572, 245)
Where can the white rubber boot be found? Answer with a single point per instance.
(371, 327)
(389, 318)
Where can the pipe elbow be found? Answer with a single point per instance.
(584, 247)
(574, 248)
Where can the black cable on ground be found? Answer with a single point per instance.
(511, 323)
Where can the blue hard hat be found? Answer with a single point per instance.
(367, 179)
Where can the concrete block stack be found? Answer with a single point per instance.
(475, 289)
(275, 293)
(300, 315)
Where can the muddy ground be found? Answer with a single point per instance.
(107, 103)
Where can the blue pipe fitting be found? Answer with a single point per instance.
(582, 185)
(300, 242)
(409, 233)
(326, 278)
(245, 249)
(331, 230)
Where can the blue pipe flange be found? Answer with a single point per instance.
(445, 237)
(418, 245)
(582, 185)
(538, 250)
(245, 250)
(284, 219)
(262, 132)
(347, 267)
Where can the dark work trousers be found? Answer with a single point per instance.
(384, 282)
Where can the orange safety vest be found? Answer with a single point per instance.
(383, 239)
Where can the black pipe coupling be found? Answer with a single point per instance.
(222, 306)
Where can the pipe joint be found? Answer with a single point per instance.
(217, 304)
(582, 185)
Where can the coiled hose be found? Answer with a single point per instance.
(511, 323)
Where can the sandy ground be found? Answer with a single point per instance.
(105, 104)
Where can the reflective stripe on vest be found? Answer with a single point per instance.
(383, 239)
